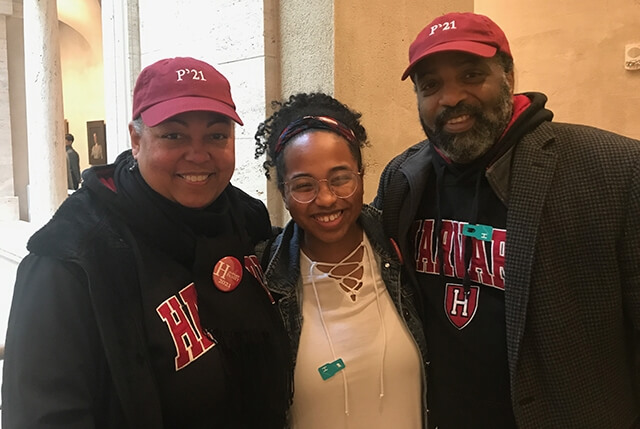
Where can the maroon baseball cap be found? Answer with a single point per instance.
(176, 85)
(466, 32)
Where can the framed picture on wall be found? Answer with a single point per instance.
(97, 141)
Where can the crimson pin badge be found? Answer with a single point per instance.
(227, 274)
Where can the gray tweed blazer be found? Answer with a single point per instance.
(572, 271)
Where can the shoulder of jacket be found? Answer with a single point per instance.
(371, 221)
(408, 153)
(283, 245)
(81, 222)
(285, 237)
(405, 161)
(254, 212)
(583, 138)
(370, 213)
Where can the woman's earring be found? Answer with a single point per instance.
(134, 165)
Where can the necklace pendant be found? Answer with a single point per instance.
(330, 369)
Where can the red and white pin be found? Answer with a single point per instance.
(227, 274)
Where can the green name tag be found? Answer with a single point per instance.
(480, 232)
(328, 370)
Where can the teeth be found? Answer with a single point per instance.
(329, 218)
(458, 119)
(195, 177)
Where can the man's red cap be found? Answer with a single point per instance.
(465, 32)
(176, 85)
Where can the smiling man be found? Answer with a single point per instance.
(523, 238)
(141, 303)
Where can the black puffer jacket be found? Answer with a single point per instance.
(75, 354)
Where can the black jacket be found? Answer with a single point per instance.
(572, 269)
(75, 354)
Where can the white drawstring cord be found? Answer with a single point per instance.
(326, 333)
(326, 330)
(384, 330)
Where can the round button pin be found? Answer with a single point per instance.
(227, 274)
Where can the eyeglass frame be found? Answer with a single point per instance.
(357, 174)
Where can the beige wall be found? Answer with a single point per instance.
(573, 51)
(371, 52)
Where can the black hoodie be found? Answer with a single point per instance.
(464, 308)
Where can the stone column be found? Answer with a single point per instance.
(8, 201)
(121, 57)
(45, 116)
(299, 50)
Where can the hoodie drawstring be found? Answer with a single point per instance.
(467, 242)
(343, 372)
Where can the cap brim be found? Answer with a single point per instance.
(475, 48)
(162, 111)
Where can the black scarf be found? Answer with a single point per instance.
(243, 323)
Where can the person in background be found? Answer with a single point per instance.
(140, 304)
(523, 238)
(73, 164)
(358, 343)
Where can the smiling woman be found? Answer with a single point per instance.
(358, 359)
(148, 273)
(188, 159)
(321, 160)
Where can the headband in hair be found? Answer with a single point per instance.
(312, 123)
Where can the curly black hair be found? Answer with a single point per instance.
(296, 107)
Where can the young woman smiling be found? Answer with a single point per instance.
(356, 338)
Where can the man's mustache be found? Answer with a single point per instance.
(457, 110)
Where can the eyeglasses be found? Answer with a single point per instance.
(342, 184)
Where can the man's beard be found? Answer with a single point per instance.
(470, 145)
